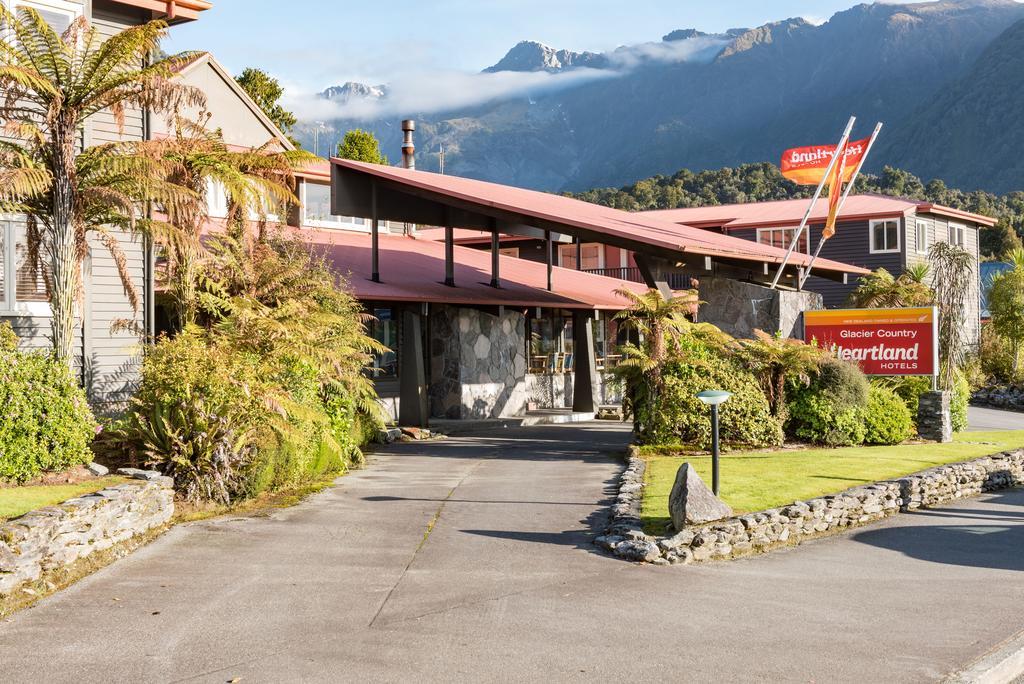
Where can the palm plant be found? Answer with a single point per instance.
(252, 179)
(52, 84)
(774, 360)
(953, 269)
(880, 289)
(661, 324)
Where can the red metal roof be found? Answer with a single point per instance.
(556, 209)
(466, 236)
(412, 270)
(786, 212)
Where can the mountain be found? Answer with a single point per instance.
(703, 101)
(532, 56)
(971, 133)
(354, 91)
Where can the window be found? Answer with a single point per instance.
(592, 256)
(216, 199)
(23, 279)
(957, 235)
(921, 237)
(509, 251)
(782, 237)
(57, 13)
(316, 211)
(885, 236)
(384, 329)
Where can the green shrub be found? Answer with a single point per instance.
(958, 401)
(680, 417)
(996, 357)
(46, 423)
(909, 388)
(887, 419)
(829, 410)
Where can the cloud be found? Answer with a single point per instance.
(700, 49)
(430, 91)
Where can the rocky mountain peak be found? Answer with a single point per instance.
(530, 55)
(352, 90)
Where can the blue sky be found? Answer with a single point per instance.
(310, 44)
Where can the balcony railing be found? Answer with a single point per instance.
(677, 281)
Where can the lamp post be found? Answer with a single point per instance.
(713, 398)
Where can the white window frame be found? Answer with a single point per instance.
(216, 200)
(871, 237)
(72, 9)
(957, 228)
(788, 239)
(920, 236)
(339, 222)
(9, 254)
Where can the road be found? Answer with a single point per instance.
(470, 560)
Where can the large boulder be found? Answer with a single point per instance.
(692, 502)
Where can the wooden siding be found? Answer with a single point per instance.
(103, 128)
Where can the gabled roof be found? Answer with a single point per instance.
(786, 212)
(412, 270)
(422, 197)
(207, 59)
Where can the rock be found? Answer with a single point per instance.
(97, 469)
(692, 502)
(638, 550)
(388, 435)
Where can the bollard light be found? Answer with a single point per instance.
(713, 398)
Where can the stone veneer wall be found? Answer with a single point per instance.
(765, 530)
(555, 390)
(478, 363)
(739, 308)
(55, 536)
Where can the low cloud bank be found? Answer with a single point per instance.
(428, 92)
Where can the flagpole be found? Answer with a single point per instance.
(842, 201)
(814, 200)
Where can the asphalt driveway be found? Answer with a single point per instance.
(470, 560)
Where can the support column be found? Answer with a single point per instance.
(374, 236)
(449, 256)
(579, 254)
(653, 278)
(547, 255)
(495, 255)
(584, 382)
(413, 409)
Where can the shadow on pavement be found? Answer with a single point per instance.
(990, 538)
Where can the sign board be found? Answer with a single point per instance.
(881, 341)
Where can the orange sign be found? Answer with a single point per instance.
(880, 341)
(807, 165)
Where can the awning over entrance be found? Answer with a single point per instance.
(412, 271)
(397, 194)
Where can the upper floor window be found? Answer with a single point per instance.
(23, 275)
(216, 199)
(316, 211)
(957, 235)
(783, 237)
(885, 236)
(921, 237)
(57, 13)
(591, 256)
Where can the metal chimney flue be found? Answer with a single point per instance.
(408, 147)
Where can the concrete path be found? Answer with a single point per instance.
(470, 560)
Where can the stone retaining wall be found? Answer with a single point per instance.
(765, 530)
(1010, 397)
(56, 536)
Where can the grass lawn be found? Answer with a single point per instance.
(756, 480)
(15, 501)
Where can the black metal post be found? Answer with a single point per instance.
(495, 255)
(714, 448)
(449, 255)
(547, 255)
(374, 236)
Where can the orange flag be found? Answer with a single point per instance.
(806, 165)
(835, 191)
